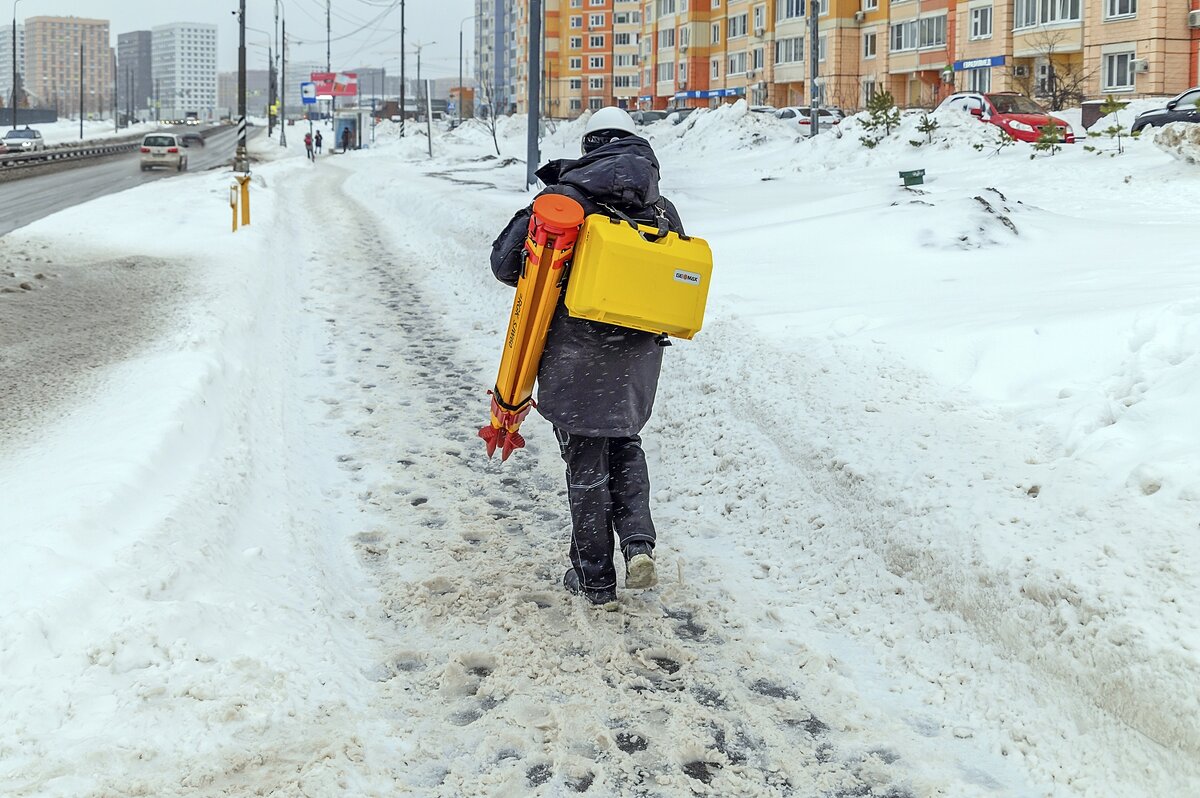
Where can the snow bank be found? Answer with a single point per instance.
(1181, 140)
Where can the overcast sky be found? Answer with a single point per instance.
(426, 21)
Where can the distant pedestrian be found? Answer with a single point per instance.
(345, 139)
(308, 146)
(317, 142)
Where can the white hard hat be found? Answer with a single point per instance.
(610, 118)
(603, 122)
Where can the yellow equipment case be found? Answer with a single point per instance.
(632, 276)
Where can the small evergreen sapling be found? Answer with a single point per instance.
(882, 115)
(1048, 139)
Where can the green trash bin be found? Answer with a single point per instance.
(913, 177)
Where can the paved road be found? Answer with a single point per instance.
(25, 201)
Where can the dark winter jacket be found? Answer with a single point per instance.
(595, 379)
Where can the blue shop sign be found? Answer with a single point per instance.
(704, 94)
(979, 63)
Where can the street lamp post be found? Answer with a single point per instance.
(14, 65)
(460, 66)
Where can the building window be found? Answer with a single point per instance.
(716, 3)
(665, 7)
(981, 23)
(576, 3)
(595, 103)
(576, 104)
(576, 42)
(868, 45)
(788, 9)
(821, 48)
(596, 62)
(716, 67)
(599, 3)
(685, 36)
(870, 5)
(979, 80)
(756, 58)
(1031, 13)
(595, 20)
(621, 39)
(919, 33)
(596, 42)
(1118, 71)
(737, 64)
(789, 51)
(576, 22)
(665, 71)
(682, 71)
(575, 63)
(760, 18)
(666, 38)
(596, 83)
(621, 18)
(1114, 9)
(868, 90)
(576, 83)
(737, 26)
(716, 33)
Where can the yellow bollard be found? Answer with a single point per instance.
(245, 181)
(233, 203)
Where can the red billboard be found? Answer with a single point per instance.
(336, 84)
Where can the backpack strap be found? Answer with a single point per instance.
(661, 218)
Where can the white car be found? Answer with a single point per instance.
(802, 115)
(24, 140)
(165, 150)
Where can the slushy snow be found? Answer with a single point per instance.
(925, 485)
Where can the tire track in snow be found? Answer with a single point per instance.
(498, 682)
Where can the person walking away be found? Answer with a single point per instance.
(597, 382)
(345, 139)
(317, 142)
(308, 146)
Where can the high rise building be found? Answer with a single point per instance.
(135, 81)
(185, 69)
(53, 48)
(498, 53)
(6, 61)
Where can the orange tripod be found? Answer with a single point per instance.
(548, 246)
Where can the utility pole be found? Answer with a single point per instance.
(328, 33)
(275, 78)
(116, 103)
(241, 162)
(283, 89)
(403, 101)
(81, 89)
(14, 65)
(535, 73)
(814, 52)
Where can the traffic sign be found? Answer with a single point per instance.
(308, 93)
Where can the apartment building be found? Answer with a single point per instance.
(185, 69)
(697, 53)
(6, 61)
(496, 48)
(53, 48)
(135, 77)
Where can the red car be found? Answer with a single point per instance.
(1013, 113)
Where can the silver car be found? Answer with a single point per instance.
(164, 150)
(24, 140)
(801, 115)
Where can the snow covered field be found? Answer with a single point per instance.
(926, 487)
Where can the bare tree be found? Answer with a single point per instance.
(1064, 81)
(490, 92)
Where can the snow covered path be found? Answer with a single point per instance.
(267, 555)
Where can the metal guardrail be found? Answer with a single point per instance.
(75, 153)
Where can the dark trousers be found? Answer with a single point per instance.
(608, 486)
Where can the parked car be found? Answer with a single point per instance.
(802, 116)
(24, 140)
(1013, 113)
(190, 138)
(763, 109)
(646, 117)
(163, 149)
(680, 114)
(1181, 109)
